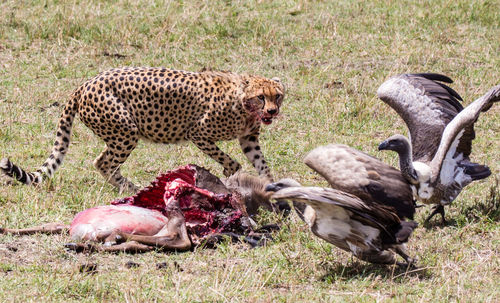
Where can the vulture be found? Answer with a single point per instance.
(365, 210)
(435, 160)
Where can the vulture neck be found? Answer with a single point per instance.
(406, 162)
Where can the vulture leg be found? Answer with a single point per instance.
(410, 262)
(300, 209)
(438, 209)
(49, 228)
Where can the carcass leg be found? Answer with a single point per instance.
(173, 236)
(127, 247)
(49, 228)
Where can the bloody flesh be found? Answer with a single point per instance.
(205, 212)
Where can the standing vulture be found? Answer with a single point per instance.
(436, 158)
(364, 211)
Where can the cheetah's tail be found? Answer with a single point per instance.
(58, 150)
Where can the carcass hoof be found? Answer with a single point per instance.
(77, 247)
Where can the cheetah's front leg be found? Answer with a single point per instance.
(250, 146)
(209, 148)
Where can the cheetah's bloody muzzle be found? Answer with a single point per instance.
(267, 118)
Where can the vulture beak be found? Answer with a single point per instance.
(272, 187)
(283, 183)
(383, 146)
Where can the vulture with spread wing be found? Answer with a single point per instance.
(436, 158)
(364, 212)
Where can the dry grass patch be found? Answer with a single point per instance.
(331, 55)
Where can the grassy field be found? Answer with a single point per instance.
(332, 56)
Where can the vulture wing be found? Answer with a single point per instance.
(426, 106)
(354, 172)
(326, 203)
(453, 132)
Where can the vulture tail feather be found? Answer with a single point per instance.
(476, 171)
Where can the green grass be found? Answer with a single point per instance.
(332, 56)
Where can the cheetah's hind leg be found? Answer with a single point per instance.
(121, 137)
(108, 164)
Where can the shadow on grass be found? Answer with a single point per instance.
(487, 209)
(437, 223)
(360, 270)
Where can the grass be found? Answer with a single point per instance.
(332, 55)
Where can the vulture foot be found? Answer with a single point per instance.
(438, 209)
(410, 262)
(407, 265)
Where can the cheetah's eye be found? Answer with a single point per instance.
(261, 98)
(278, 96)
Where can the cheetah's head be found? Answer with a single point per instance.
(263, 97)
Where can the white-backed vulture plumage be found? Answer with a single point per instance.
(355, 172)
(364, 211)
(436, 158)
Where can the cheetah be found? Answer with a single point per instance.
(165, 106)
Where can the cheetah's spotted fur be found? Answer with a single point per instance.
(168, 106)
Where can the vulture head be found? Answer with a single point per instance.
(283, 183)
(305, 212)
(402, 146)
(397, 143)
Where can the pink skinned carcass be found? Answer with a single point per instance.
(175, 195)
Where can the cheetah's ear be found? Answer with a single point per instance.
(277, 80)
